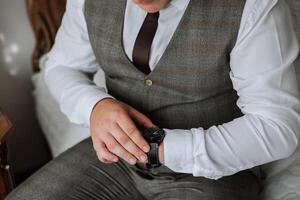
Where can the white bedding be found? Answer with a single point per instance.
(283, 177)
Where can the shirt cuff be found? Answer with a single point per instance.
(178, 150)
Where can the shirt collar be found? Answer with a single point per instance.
(179, 4)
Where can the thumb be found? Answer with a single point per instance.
(140, 118)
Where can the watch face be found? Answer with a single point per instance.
(154, 135)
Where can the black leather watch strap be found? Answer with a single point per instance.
(154, 136)
(153, 156)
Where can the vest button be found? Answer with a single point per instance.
(148, 82)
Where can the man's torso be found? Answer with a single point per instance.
(190, 85)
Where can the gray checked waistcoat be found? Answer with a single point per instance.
(190, 86)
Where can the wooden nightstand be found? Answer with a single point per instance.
(6, 175)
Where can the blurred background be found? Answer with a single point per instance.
(28, 149)
(27, 145)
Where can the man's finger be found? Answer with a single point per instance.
(127, 143)
(114, 147)
(103, 153)
(128, 126)
(103, 160)
(107, 155)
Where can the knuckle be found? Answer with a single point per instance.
(124, 140)
(103, 126)
(111, 145)
(131, 131)
(117, 113)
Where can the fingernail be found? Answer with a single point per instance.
(115, 159)
(132, 161)
(146, 149)
(143, 158)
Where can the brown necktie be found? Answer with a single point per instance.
(143, 42)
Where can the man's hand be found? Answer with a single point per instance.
(115, 134)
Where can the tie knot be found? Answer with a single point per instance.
(153, 16)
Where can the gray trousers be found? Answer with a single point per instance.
(78, 174)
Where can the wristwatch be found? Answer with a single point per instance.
(154, 136)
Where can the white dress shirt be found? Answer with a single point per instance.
(262, 73)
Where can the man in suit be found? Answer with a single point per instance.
(215, 77)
